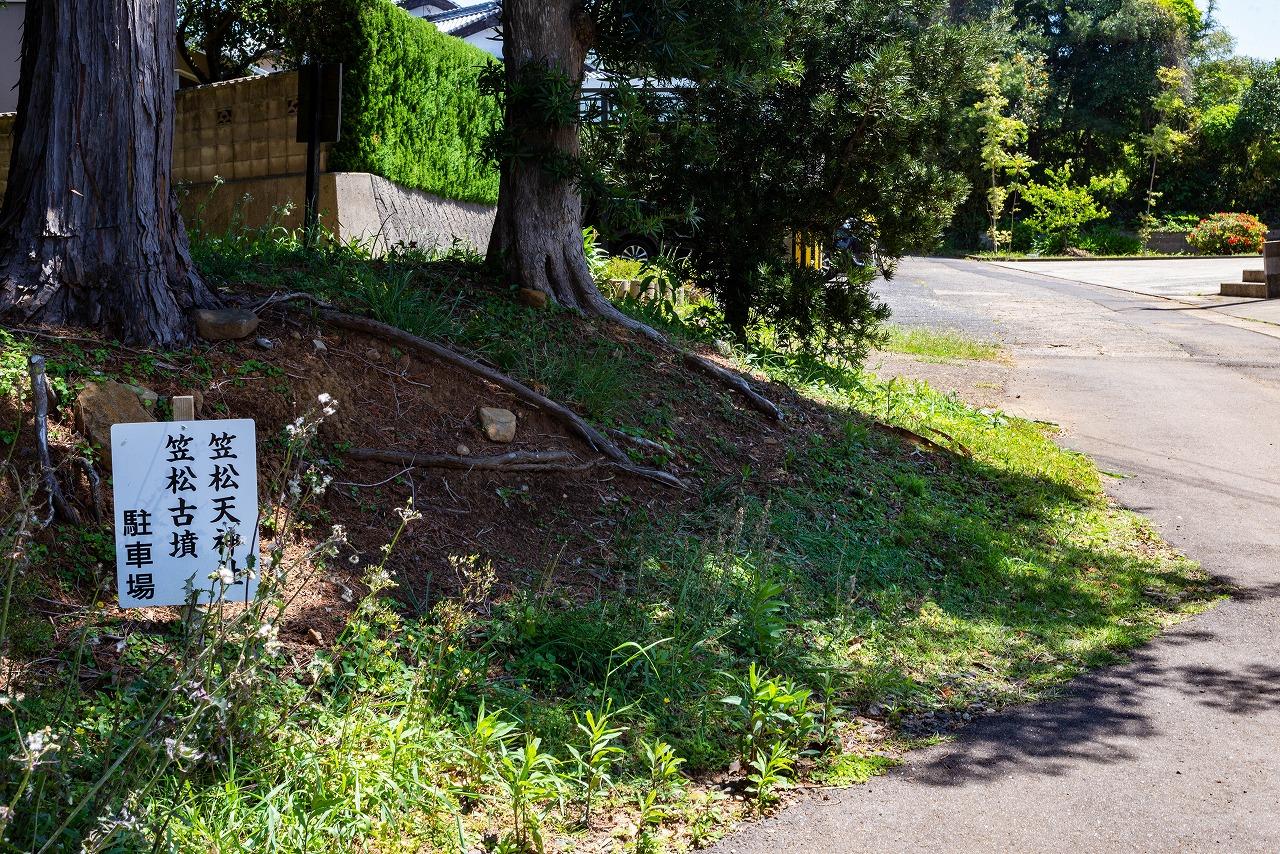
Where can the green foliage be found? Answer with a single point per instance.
(527, 778)
(769, 711)
(1060, 210)
(1004, 127)
(225, 39)
(854, 126)
(769, 770)
(598, 754)
(1228, 234)
(937, 345)
(1102, 57)
(1106, 239)
(412, 109)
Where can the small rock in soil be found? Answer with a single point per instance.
(224, 324)
(316, 636)
(372, 354)
(146, 396)
(102, 404)
(319, 345)
(533, 298)
(265, 343)
(464, 451)
(499, 424)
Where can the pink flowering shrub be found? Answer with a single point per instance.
(1228, 234)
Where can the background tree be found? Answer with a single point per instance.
(854, 134)
(1172, 130)
(1102, 57)
(89, 230)
(224, 39)
(1004, 125)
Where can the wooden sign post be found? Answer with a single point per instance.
(186, 509)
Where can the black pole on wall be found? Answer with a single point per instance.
(319, 121)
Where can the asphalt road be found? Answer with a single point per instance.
(1178, 749)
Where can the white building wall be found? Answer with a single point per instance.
(10, 53)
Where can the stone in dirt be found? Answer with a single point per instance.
(146, 396)
(103, 404)
(499, 424)
(533, 298)
(224, 324)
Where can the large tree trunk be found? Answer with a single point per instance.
(90, 232)
(537, 236)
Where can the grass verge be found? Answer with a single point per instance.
(938, 345)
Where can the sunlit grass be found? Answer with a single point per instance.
(939, 345)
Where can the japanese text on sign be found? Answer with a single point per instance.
(186, 502)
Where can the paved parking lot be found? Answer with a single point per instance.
(1177, 277)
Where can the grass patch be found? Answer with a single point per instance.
(747, 625)
(938, 345)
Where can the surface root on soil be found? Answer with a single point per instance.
(593, 437)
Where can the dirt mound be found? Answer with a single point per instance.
(536, 528)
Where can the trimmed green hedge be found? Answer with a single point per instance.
(411, 110)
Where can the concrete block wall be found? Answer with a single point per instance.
(239, 129)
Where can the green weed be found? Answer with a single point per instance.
(937, 345)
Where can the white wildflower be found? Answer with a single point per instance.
(35, 747)
(407, 514)
(180, 751)
(339, 534)
(225, 575)
(295, 489)
(328, 404)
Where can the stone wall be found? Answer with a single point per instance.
(1170, 243)
(235, 162)
(355, 206)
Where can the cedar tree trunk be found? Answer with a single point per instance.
(537, 235)
(90, 232)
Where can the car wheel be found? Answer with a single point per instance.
(635, 249)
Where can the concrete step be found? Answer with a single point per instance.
(1255, 276)
(1256, 290)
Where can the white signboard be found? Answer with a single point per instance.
(186, 501)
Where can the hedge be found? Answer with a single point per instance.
(412, 112)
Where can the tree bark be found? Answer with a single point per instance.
(90, 232)
(537, 235)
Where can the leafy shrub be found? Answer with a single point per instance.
(411, 109)
(1228, 234)
(1182, 222)
(1106, 239)
(1061, 210)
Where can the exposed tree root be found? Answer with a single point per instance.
(646, 445)
(513, 461)
(597, 304)
(40, 396)
(407, 340)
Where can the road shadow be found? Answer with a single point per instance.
(1099, 719)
